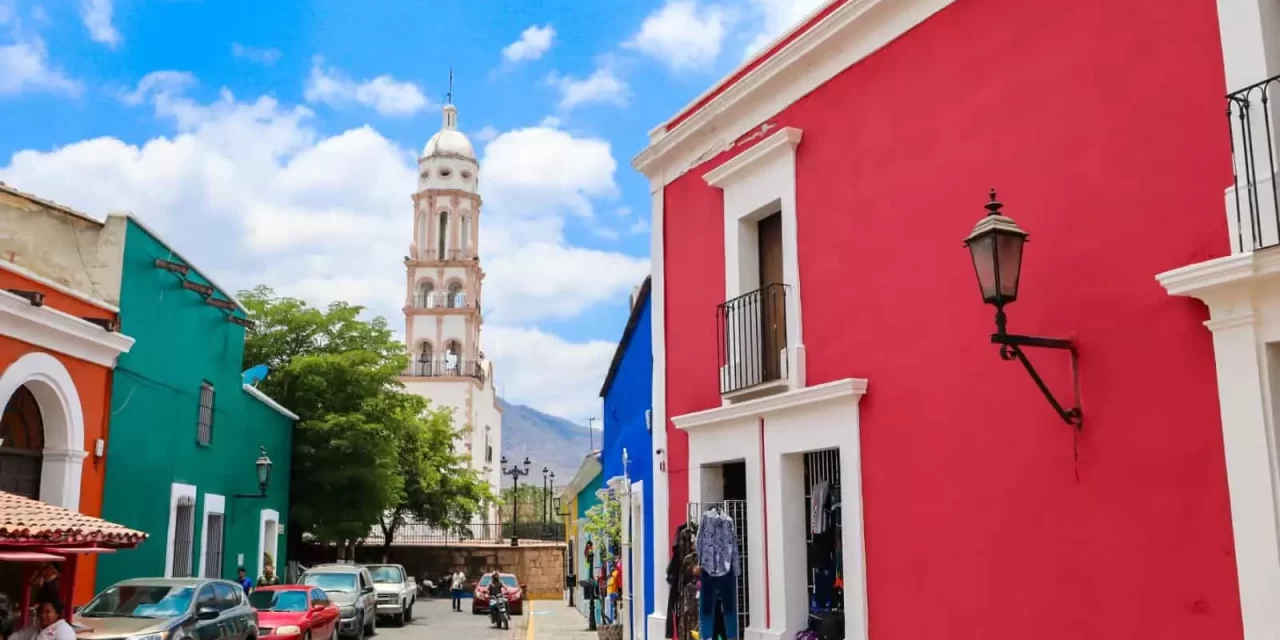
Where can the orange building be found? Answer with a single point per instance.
(57, 351)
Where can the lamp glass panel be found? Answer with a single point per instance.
(982, 249)
(1009, 250)
(264, 472)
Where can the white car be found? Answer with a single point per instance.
(396, 594)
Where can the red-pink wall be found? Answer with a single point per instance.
(1101, 124)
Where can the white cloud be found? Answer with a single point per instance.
(623, 212)
(639, 227)
(24, 67)
(533, 43)
(159, 82)
(96, 15)
(384, 94)
(254, 193)
(683, 34)
(265, 57)
(486, 133)
(601, 86)
(776, 18)
(523, 356)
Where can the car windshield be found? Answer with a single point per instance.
(386, 575)
(336, 582)
(278, 600)
(507, 581)
(140, 601)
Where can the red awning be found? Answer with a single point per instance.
(29, 556)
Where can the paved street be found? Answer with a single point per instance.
(433, 619)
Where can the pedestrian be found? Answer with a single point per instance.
(268, 577)
(48, 624)
(45, 582)
(456, 581)
(243, 580)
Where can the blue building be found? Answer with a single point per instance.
(627, 453)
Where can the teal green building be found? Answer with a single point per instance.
(195, 457)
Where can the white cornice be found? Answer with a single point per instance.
(853, 388)
(57, 286)
(857, 28)
(48, 328)
(266, 399)
(787, 139)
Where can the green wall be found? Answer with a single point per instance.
(181, 342)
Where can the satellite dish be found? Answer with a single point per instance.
(254, 374)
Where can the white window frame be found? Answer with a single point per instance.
(214, 504)
(757, 183)
(177, 492)
(268, 516)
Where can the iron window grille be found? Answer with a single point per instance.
(213, 551)
(204, 425)
(183, 536)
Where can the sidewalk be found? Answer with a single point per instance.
(553, 620)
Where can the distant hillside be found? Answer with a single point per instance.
(549, 441)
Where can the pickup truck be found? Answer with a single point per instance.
(396, 594)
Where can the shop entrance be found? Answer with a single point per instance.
(724, 491)
(823, 540)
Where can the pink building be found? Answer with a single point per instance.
(815, 203)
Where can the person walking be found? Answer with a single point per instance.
(268, 577)
(456, 581)
(243, 580)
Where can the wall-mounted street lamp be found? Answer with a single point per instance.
(262, 467)
(996, 245)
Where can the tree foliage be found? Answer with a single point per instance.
(604, 524)
(366, 452)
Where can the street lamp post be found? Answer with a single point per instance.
(262, 468)
(550, 492)
(545, 471)
(515, 472)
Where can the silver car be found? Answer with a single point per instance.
(351, 588)
(169, 609)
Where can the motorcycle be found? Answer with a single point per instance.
(498, 614)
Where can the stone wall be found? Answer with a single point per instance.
(540, 568)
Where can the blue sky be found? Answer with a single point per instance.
(274, 143)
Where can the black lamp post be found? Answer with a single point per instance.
(262, 467)
(570, 580)
(550, 492)
(996, 245)
(545, 471)
(515, 472)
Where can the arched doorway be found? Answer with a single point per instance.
(21, 444)
(41, 380)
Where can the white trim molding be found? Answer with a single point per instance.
(1242, 293)
(214, 504)
(51, 329)
(59, 399)
(770, 436)
(177, 492)
(268, 517)
(757, 183)
(266, 399)
(848, 34)
(657, 329)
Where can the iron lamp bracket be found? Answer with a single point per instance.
(1011, 349)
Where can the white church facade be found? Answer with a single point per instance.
(442, 309)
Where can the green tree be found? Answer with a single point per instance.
(359, 434)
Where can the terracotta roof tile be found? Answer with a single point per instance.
(26, 520)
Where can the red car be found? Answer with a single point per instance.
(294, 612)
(510, 586)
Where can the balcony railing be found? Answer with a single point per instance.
(1254, 217)
(447, 369)
(449, 254)
(441, 300)
(753, 339)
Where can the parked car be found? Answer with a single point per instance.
(170, 608)
(294, 612)
(413, 585)
(510, 586)
(395, 592)
(351, 588)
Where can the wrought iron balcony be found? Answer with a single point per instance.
(1252, 203)
(752, 339)
(447, 368)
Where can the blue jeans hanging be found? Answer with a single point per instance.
(722, 590)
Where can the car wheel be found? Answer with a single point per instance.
(371, 627)
(408, 612)
(359, 633)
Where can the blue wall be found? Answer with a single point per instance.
(628, 396)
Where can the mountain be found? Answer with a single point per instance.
(551, 442)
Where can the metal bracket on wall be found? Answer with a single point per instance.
(1011, 349)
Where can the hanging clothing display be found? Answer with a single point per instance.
(718, 544)
(673, 581)
(818, 508)
(687, 620)
(718, 554)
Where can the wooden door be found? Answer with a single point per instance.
(773, 324)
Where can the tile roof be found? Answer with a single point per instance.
(24, 520)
